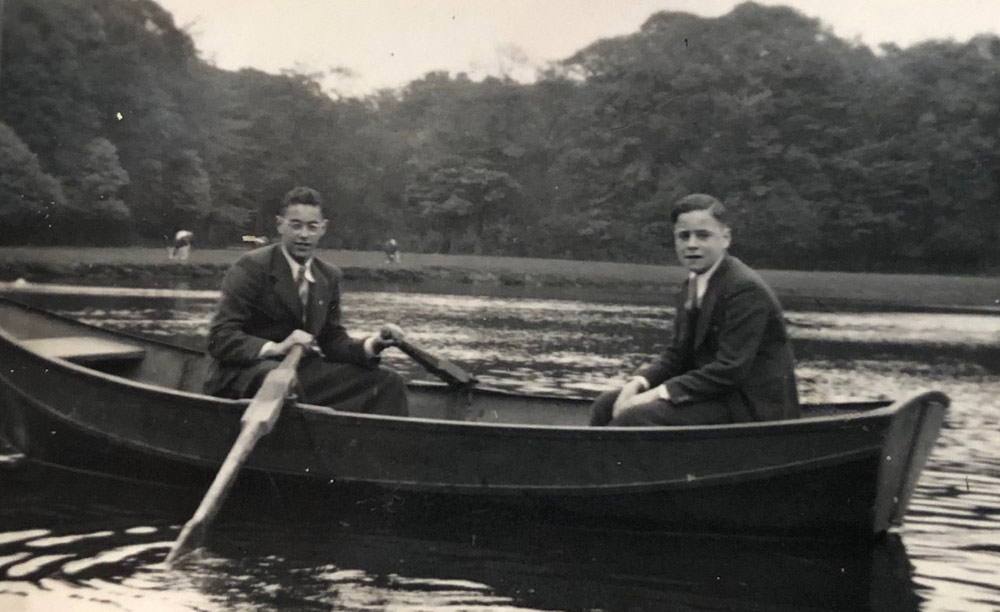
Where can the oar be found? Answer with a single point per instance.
(442, 368)
(258, 421)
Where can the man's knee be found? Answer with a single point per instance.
(658, 412)
(392, 390)
(600, 410)
(390, 380)
(630, 418)
(666, 413)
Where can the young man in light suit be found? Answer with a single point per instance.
(730, 359)
(281, 295)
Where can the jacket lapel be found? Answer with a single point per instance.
(709, 300)
(284, 284)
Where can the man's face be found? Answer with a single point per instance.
(700, 240)
(300, 229)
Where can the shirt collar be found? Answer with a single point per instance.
(294, 265)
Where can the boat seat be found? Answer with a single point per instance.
(87, 349)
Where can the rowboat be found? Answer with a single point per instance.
(79, 398)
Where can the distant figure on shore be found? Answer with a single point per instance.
(730, 358)
(255, 240)
(391, 250)
(181, 248)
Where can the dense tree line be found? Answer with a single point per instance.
(829, 154)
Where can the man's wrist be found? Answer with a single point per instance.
(269, 349)
(369, 346)
(663, 393)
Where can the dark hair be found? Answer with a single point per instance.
(699, 201)
(302, 195)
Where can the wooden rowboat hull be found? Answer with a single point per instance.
(101, 402)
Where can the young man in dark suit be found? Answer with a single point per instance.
(281, 295)
(730, 358)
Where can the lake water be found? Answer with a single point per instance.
(69, 546)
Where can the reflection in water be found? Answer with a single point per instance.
(107, 557)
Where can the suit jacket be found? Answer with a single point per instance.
(741, 355)
(260, 303)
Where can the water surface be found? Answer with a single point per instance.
(69, 546)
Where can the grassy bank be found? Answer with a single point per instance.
(526, 276)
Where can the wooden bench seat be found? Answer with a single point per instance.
(87, 349)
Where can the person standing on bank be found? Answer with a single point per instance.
(181, 248)
(280, 295)
(730, 359)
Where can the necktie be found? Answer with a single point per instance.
(691, 303)
(303, 286)
(691, 312)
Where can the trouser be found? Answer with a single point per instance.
(657, 412)
(345, 386)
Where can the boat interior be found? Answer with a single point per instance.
(157, 363)
(105, 351)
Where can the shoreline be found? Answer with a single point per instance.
(506, 277)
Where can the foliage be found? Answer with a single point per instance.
(30, 199)
(462, 197)
(827, 153)
(96, 210)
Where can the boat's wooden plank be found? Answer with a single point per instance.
(86, 349)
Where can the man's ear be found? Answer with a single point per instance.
(277, 221)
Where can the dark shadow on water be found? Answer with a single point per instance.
(569, 569)
(255, 560)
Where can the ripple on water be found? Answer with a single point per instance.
(12, 537)
(940, 329)
(70, 539)
(34, 565)
(114, 556)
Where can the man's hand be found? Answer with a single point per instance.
(390, 335)
(632, 388)
(636, 400)
(298, 336)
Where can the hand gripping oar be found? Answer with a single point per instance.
(442, 368)
(258, 421)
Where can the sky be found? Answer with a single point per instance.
(387, 43)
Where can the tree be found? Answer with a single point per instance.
(828, 155)
(460, 197)
(96, 209)
(179, 195)
(30, 199)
